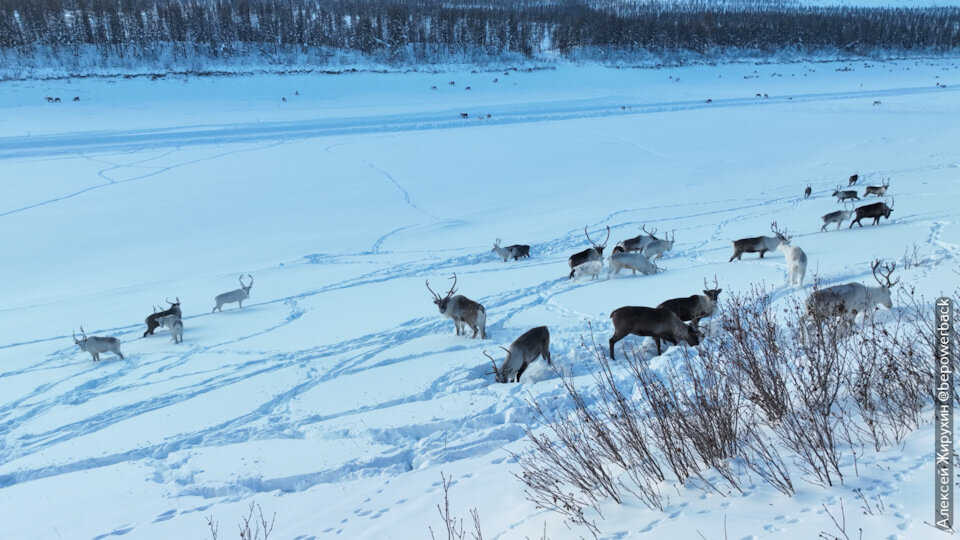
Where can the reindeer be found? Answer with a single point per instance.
(658, 323)
(594, 253)
(843, 195)
(655, 249)
(695, 307)
(837, 217)
(462, 310)
(796, 263)
(761, 244)
(848, 299)
(879, 191)
(153, 320)
(516, 251)
(589, 268)
(807, 192)
(522, 352)
(175, 324)
(96, 345)
(236, 295)
(875, 211)
(853, 179)
(634, 261)
(637, 243)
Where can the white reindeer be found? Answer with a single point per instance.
(796, 263)
(236, 295)
(848, 299)
(655, 249)
(501, 251)
(97, 344)
(589, 268)
(635, 261)
(175, 325)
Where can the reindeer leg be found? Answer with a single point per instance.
(546, 354)
(657, 340)
(734, 256)
(617, 336)
(761, 253)
(522, 369)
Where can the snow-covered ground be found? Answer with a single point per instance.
(337, 395)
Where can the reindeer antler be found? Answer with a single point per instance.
(173, 303)
(594, 243)
(887, 271)
(496, 371)
(780, 234)
(435, 295)
(453, 288)
(652, 234)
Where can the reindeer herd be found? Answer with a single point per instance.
(674, 320)
(677, 320)
(170, 318)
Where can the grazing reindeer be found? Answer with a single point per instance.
(853, 179)
(879, 191)
(522, 352)
(761, 244)
(153, 320)
(589, 268)
(96, 345)
(848, 299)
(236, 295)
(807, 192)
(462, 310)
(875, 211)
(655, 249)
(658, 323)
(837, 217)
(175, 325)
(637, 243)
(843, 195)
(796, 263)
(594, 253)
(633, 261)
(695, 307)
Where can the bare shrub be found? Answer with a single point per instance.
(451, 525)
(252, 525)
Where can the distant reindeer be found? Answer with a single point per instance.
(843, 195)
(837, 217)
(848, 299)
(76, 98)
(594, 253)
(655, 249)
(464, 115)
(637, 243)
(175, 324)
(658, 323)
(875, 211)
(96, 345)
(807, 192)
(879, 191)
(876, 102)
(56, 100)
(695, 307)
(236, 295)
(761, 244)
(516, 251)
(522, 352)
(636, 262)
(853, 179)
(153, 320)
(796, 263)
(463, 311)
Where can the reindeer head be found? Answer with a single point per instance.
(498, 373)
(713, 293)
(496, 245)
(650, 234)
(246, 288)
(600, 247)
(81, 342)
(177, 303)
(885, 284)
(836, 192)
(442, 302)
(781, 234)
(887, 208)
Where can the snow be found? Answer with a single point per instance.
(337, 395)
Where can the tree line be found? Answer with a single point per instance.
(425, 30)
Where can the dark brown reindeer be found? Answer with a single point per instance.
(153, 320)
(594, 253)
(658, 323)
(761, 244)
(522, 352)
(807, 192)
(875, 211)
(853, 179)
(463, 311)
(695, 307)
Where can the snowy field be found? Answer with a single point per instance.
(337, 395)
